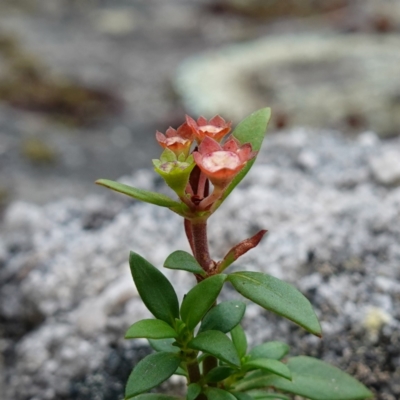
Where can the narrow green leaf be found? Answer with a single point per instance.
(261, 395)
(166, 345)
(269, 365)
(150, 329)
(250, 130)
(320, 381)
(150, 372)
(155, 289)
(199, 299)
(182, 260)
(275, 350)
(139, 194)
(180, 371)
(218, 345)
(277, 296)
(219, 374)
(316, 380)
(219, 394)
(223, 317)
(239, 340)
(193, 391)
(242, 396)
(254, 380)
(154, 396)
(253, 375)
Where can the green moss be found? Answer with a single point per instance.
(282, 8)
(27, 84)
(37, 151)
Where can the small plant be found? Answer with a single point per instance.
(199, 338)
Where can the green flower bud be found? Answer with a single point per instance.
(175, 170)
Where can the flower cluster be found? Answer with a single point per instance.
(217, 157)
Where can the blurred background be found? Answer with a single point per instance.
(84, 84)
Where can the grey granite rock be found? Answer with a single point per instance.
(346, 82)
(386, 167)
(66, 296)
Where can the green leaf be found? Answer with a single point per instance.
(193, 391)
(180, 371)
(150, 372)
(242, 396)
(219, 374)
(317, 380)
(199, 299)
(239, 340)
(140, 194)
(219, 394)
(269, 365)
(223, 317)
(277, 296)
(250, 130)
(154, 396)
(150, 329)
(261, 395)
(182, 260)
(275, 350)
(254, 374)
(218, 345)
(155, 289)
(166, 345)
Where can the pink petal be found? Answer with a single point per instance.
(191, 122)
(160, 137)
(202, 121)
(185, 131)
(170, 132)
(209, 145)
(198, 158)
(217, 121)
(231, 145)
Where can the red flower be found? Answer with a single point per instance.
(222, 163)
(216, 128)
(178, 140)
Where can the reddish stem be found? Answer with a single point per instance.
(189, 189)
(202, 185)
(189, 233)
(200, 245)
(212, 198)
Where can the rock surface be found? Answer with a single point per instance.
(66, 296)
(347, 82)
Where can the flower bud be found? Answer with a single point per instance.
(175, 170)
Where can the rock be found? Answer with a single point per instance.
(386, 167)
(67, 298)
(346, 82)
(115, 22)
(374, 320)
